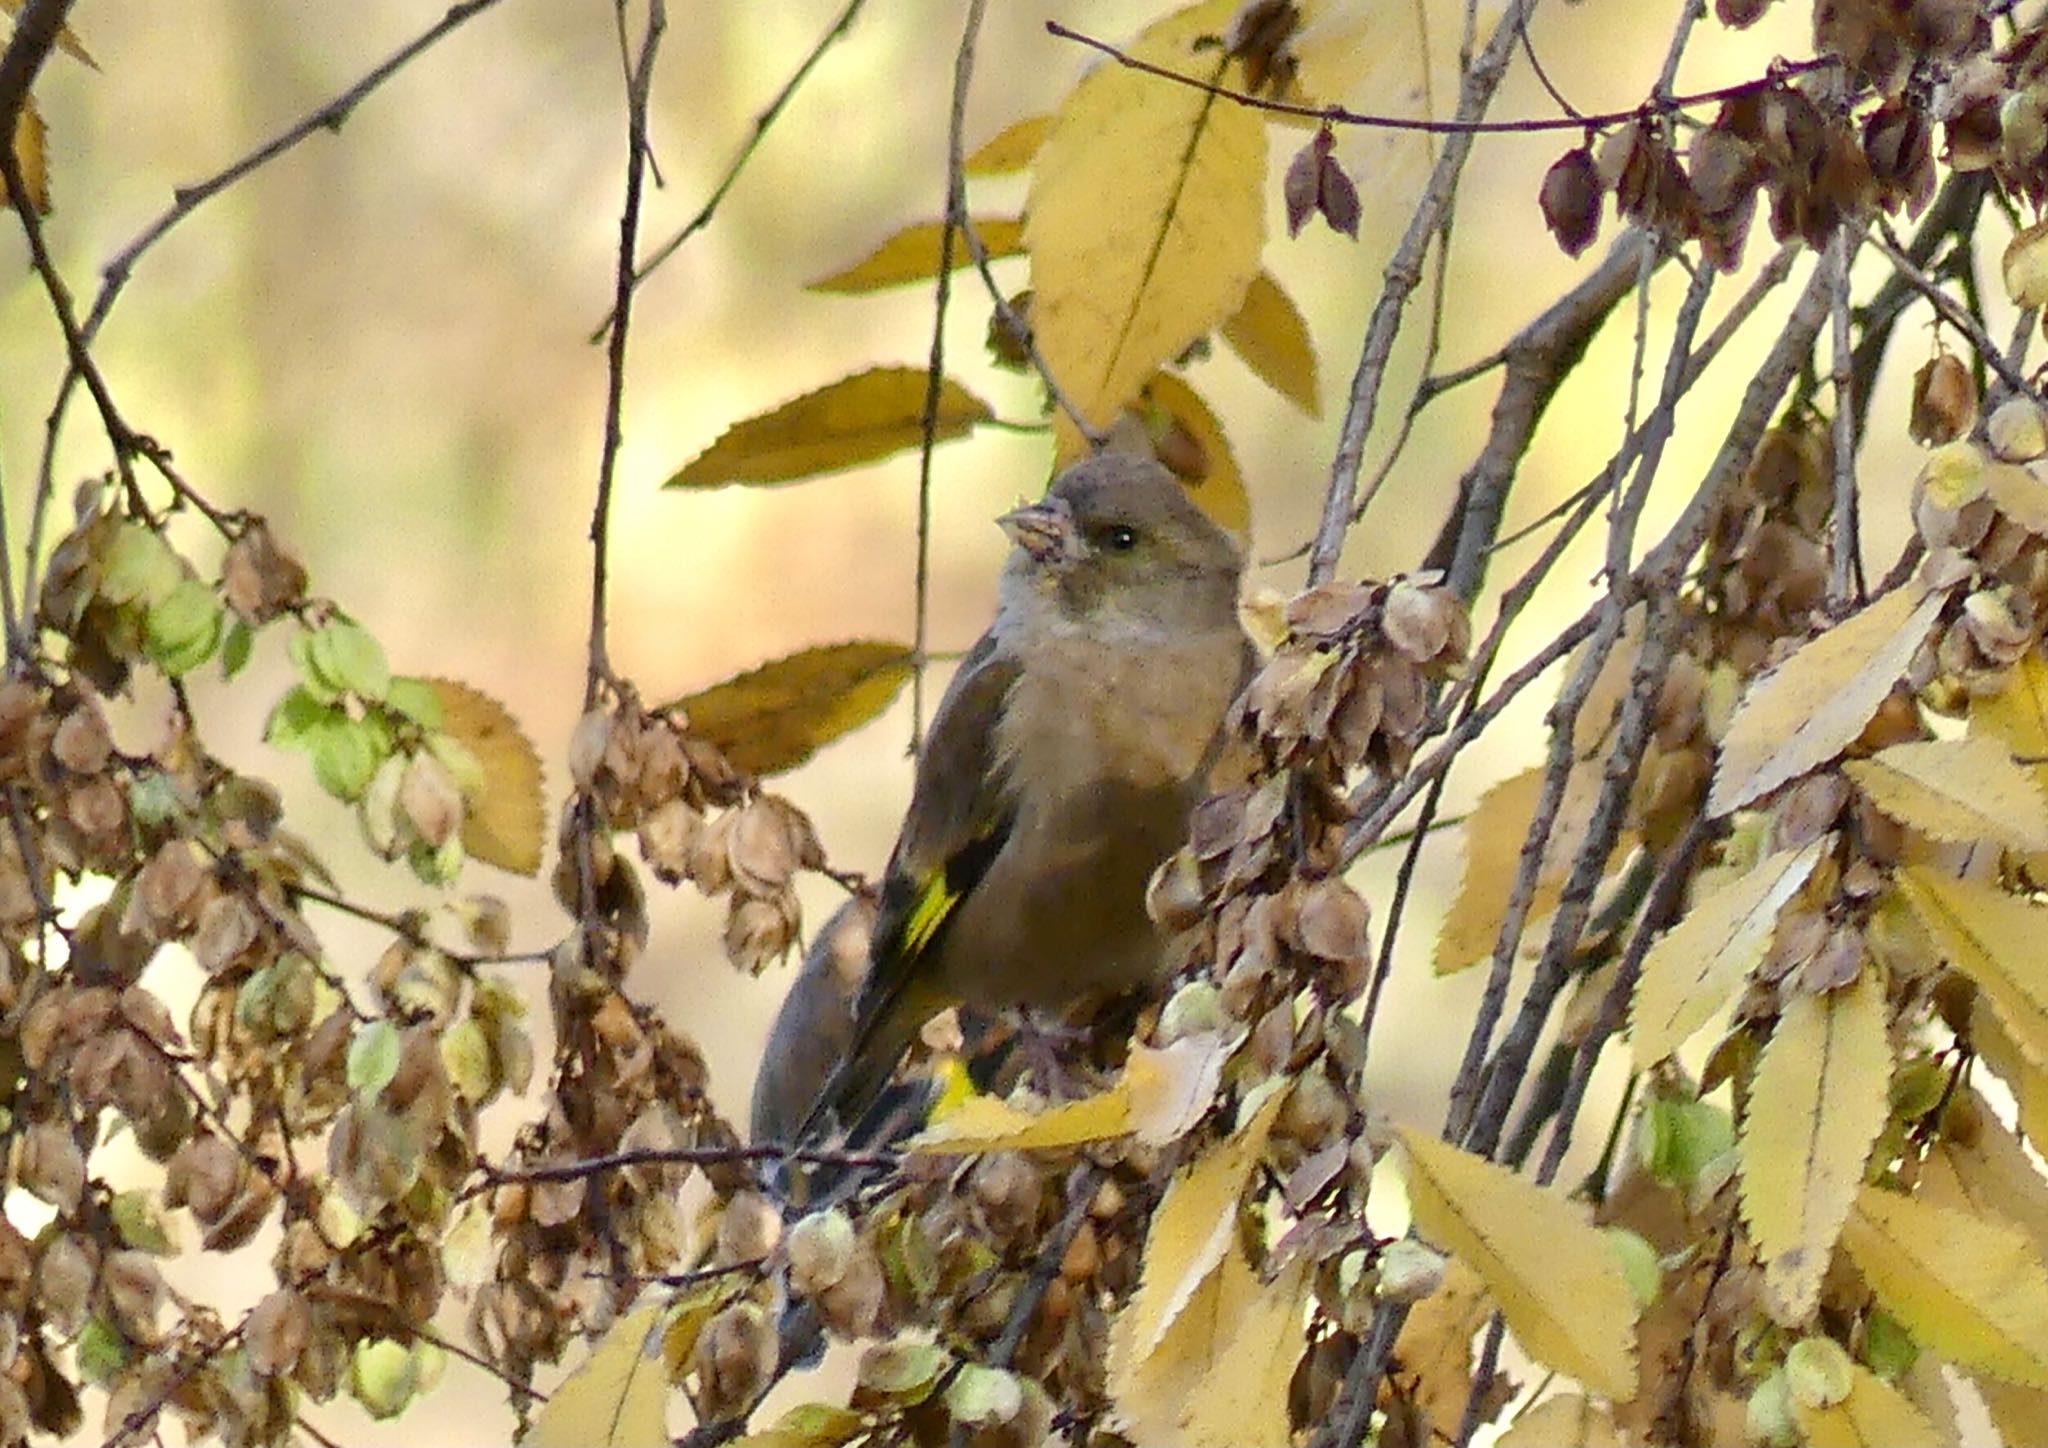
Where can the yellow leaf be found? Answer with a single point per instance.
(617, 1399)
(1874, 1415)
(1957, 790)
(1146, 215)
(773, 718)
(1994, 939)
(1987, 1172)
(1161, 1094)
(506, 824)
(1558, 1283)
(1172, 1087)
(1972, 1290)
(1494, 834)
(809, 1425)
(1692, 969)
(1565, 1421)
(1809, 708)
(1270, 335)
(843, 424)
(2016, 1412)
(1009, 149)
(1816, 1104)
(2019, 495)
(1432, 1360)
(1218, 486)
(1219, 1376)
(67, 39)
(988, 1123)
(2017, 717)
(1243, 1403)
(912, 255)
(1998, 1051)
(32, 153)
(2018, 714)
(1190, 1234)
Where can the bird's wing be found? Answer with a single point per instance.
(960, 815)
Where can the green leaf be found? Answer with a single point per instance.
(236, 648)
(345, 754)
(858, 419)
(300, 649)
(416, 700)
(385, 1376)
(298, 717)
(183, 628)
(102, 1351)
(373, 1058)
(139, 567)
(348, 657)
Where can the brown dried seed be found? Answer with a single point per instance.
(734, 1355)
(83, 743)
(50, 1165)
(759, 931)
(1570, 200)
(278, 1331)
(1332, 919)
(852, 1306)
(669, 835)
(226, 928)
(205, 1175)
(1944, 401)
(821, 1247)
(748, 1229)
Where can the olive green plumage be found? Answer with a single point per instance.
(1059, 771)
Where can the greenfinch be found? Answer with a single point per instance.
(1059, 771)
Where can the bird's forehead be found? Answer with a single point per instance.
(1097, 499)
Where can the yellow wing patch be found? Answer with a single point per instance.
(934, 903)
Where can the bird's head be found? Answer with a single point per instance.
(1118, 539)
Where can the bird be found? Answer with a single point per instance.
(1059, 771)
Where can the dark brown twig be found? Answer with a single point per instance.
(1482, 77)
(1344, 116)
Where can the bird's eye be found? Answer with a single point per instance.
(1122, 538)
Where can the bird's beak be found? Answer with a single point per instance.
(1044, 529)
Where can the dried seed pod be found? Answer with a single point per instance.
(733, 1359)
(748, 1229)
(1944, 401)
(1571, 200)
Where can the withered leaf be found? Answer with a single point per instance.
(912, 255)
(1957, 790)
(506, 823)
(773, 718)
(858, 419)
(1268, 332)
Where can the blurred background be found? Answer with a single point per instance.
(381, 342)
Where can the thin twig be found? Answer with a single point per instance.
(1781, 72)
(1845, 572)
(762, 122)
(1403, 273)
(590, 1166)
(114, 275)
(1018, 328)
(935, 368)
(1955, 314)
(639, 83)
